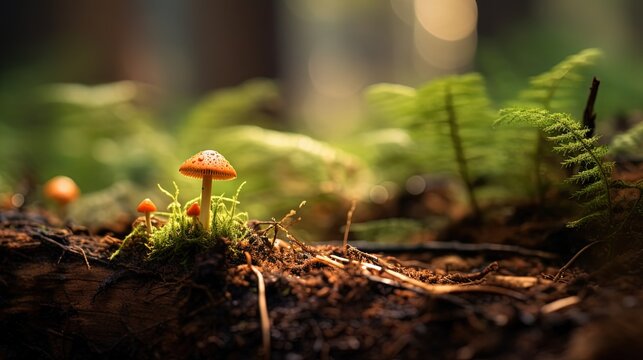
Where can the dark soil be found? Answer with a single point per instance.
(60, 298)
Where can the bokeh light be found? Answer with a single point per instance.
(449, 20)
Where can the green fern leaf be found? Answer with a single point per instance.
(630, 142)
(459, 108)
(594, 178)
(392, 104)
(555, 87)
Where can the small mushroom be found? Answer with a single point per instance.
(194, 211)
(147, 207)
(207, 165)
(63, 190)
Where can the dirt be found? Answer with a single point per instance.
(60, 298)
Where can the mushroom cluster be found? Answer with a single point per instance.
(207, 165)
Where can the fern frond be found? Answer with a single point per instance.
(393, 104)
(552, 90)
(558, 83)
(594, 176)
(459, 107)
(446, 128)
(629, 142)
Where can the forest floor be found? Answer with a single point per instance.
(61, 298)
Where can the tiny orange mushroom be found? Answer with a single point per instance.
(147, 207)
(207, 165)
(194, 210)
(63, 190)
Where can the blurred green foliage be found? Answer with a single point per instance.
(110, 140)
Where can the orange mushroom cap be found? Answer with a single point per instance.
(194, 210)
(208, 162)
(62, 189)
(146, 206)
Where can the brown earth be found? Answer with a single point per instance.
(60, 298)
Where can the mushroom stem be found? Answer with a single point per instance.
(148, 222)
(206, 195)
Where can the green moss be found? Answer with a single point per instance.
(182, 236)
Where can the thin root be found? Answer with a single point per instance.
(263, 308)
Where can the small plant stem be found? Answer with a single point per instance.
(461, 159)
(263, 308)
(206, 197)
(148, 223)
(349, 220)
(195, 222)
(571, 261)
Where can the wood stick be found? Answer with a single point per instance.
(571, 261)
(443, 246)
(589, 116)
(263, 308)
(349, 220)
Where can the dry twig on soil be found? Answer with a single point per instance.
(571, 261)
(263, 308)
(349, 220)
(446, 246)
(406, 281)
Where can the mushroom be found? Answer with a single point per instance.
(194, 211)
(147, 207)
(63, 190)
(207, 165)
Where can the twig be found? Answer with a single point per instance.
(434, 289)
(559, 304)
(440, 289)
(263, 308)
(571, 261)
(328, 261)
(589, 116)
(445, 246)
(349, 220)
(68, 248)
(84, 257)
(299, 243)
(368, 256)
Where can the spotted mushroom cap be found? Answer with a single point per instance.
(208, 162)
(146, 206)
